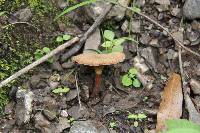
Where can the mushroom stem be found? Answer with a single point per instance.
(98, 71)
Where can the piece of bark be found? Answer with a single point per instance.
(171, 104)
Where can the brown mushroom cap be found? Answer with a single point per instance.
(94, 59)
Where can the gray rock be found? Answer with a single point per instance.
(125, 26)
(8, 109)
(50, 103)
(42, 124)
(23, 106)
(191, 9)
(64, 113)
(176, 12)
(50, 115)
(62, 125)
(193, 36)
(22, 15)
(107, 99)
(163, 2)
(145, 39)
(140, 3)
(71, 95)
(135, 26)
(93, 42)
(56, 66)
(68, 64)
(195, 86)
(117, 12)
(171, 54)
(77, 113)
(150, 55)
(83, 127)
(35, 81)
(198, 70)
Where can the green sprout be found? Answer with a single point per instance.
(63, 38)
(40, 53)
(61, 90)
(130, 79)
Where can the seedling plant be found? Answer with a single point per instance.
(137, 118)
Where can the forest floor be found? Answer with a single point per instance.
(28, 26)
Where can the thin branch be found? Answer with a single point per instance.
(41, 60)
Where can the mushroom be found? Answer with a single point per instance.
(98, 61)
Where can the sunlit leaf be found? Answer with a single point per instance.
(107, 44)
(126, 81)
(46, 50)
(118, 41)
(117, 48)
(136, 83)
(109, 35)
(59, 39)
(61, 90)
(66, 37)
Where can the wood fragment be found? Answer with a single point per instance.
(171, 104)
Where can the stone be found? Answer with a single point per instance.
(50, 115)
(163, 2)
(56, 66)
(154, 43)
(34, 81)
(8, 109)
(140, 3)
(145, 39)
(62, 125)
(171, 54)
(176, 12)
(139, 64)
(71, 95)
(198, 70)
(118, 12)
(107, 99)
(135, 26)
(67, 65)
(150, 55)
(64, 113)
(195, 86)
(23, 106)
(42, 124)
(77, 113)
(191, 9)
(193, 36)
(93, 42)
(125, 26)
(50, 103)
(83, 127)
(23, 15)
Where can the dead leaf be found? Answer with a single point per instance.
(171, 104)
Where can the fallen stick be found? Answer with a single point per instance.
(60, 48)
(41, 60)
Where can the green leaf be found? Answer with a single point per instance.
(126, 81)
(59, 39)
(107, 44)
(117, 48)
(74, 7)
(136, 9)
(142, 116)
(38, 54)
(118, 41)
(61, 90)
(182, 126)
(132, 116)
(132, 71)
(112, 124)
(46, 50)
(66, 37)
(136, 83)
(109, 35)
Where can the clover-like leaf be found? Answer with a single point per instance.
(132, 116)
(118, 41)
(142, 116)
(66, 37)
(107, 44)
(117, 48)
(109, 35)
(46, 50)
(59, 39)
(126, 80)
(132, 71)
(61, 90)
(136, 83)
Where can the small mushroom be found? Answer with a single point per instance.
(98, 61)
